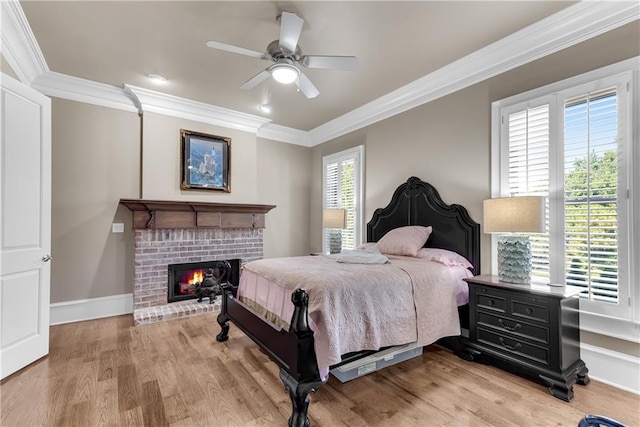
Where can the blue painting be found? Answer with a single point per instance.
(205, 162)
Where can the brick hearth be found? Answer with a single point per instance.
(156, 249)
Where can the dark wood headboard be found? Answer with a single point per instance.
(418, 203)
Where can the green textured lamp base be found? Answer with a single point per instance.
(514, 259)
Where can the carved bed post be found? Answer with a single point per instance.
(223, 318)
(304, 377)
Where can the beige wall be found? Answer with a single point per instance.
(6, 68)
(95, 162)
(161, 161)
(447, 142)
(283, 179)
(262, 171)
(416, 143)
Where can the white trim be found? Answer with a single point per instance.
(170, 105)
(82, 90)
(92, 308)
(358, 154)
(566, 28)
(285, 134)
(631, 64)
(610, 326)
(19, 46)
(610, 367)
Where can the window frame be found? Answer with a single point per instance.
(356, 153)
(625, 322)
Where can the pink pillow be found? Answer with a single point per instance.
(405, 241)
(444, 256)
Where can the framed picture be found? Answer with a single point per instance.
(205, 161)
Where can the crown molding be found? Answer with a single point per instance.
(170, 105)
(285, 134)
(19, 46)
(82, 90)
(563, 29)
(572, 25)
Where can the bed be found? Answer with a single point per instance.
(414, 203)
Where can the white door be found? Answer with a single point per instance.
(25, 225)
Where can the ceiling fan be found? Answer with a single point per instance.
(286, 55)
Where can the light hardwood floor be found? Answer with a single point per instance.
(109, 372)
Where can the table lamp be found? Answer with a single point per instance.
(335, 219)
(506, 216)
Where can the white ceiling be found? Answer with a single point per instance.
(120, 42)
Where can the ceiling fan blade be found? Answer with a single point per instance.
(236, 49)
(256, 80)
(330, 62)
(290, 29)
(306, 87)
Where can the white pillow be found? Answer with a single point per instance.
(405, 241)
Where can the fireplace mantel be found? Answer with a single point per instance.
(163, 214)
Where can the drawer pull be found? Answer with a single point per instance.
(528, 310)
(510, 347)
(508, 327)
(491, 302)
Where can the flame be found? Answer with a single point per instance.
(197, 277)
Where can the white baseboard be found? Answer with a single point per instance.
(92, 308)
(610, 367)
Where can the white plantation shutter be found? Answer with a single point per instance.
(342, 177)
(570, 144)
(591, 194)
(528, 172)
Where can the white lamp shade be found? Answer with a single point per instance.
(334, 218)
(524, 214)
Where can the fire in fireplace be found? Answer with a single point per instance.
(183, 278)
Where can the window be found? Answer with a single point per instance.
(571, 142)
(591, 194)
(342, 188)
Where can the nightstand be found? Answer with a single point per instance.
(531, 330)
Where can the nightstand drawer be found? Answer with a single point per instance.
(529, 310)
(514, 346)
(491, 302)
(514, 326)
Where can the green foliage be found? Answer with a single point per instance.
(591, 223)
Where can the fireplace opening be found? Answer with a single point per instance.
(183, 278)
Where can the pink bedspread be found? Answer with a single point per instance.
(356, 307)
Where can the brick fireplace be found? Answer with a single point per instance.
(182, 232)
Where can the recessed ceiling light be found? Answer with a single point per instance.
(266, 108)
(157, 78)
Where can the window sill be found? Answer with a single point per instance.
(616, 328)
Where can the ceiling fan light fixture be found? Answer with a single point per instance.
(284, 73)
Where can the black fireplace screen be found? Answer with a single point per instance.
(183, 278)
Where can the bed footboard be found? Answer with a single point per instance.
(292, 350)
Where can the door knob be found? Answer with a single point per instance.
(46, 258)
